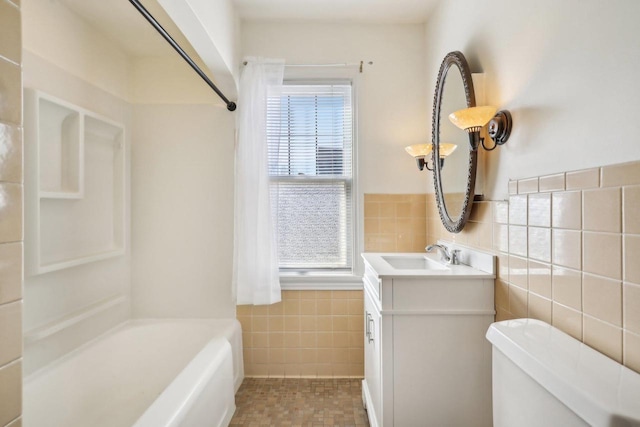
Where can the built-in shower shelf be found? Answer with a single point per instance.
(74, 185)
(59, 195)
(59, 265)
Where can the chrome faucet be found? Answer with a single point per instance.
(445, 255)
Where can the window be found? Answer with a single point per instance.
(310, 134)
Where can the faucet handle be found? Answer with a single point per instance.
(455, 257)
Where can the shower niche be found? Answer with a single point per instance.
(74, 167)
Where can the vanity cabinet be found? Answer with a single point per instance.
(372, 355)
(427, 362)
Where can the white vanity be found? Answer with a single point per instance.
(427, 362)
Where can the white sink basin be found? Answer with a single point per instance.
(412, 262)
(473, 264)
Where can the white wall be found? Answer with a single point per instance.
(60, 307)
(182, 182)
(182, 194)
(392, 107)
(168, 80)
(567, 70)
(182, 211)
(53, 32)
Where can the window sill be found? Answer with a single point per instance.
(320, 282)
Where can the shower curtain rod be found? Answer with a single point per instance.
(341, 64)
(231, 106)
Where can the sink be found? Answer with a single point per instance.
(472, 264)
(412, 262)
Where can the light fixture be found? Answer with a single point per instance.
(421, 151)
(474, 119)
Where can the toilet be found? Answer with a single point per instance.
(544, 377)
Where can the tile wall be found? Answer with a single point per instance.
(320, 333)
(11, 261)
(568, 247)
(309, 334)
(395, 222)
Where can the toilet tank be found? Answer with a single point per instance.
(544, 377)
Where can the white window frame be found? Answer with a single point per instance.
(327, 280)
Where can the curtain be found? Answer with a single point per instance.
(256, 278)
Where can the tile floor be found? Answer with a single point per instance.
(299, 402)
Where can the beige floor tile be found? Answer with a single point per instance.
(300, 402)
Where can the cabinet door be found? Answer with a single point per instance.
(372, 361)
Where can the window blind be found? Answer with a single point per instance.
(310, 144)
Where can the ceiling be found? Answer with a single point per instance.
(123, 24)
(351, 11)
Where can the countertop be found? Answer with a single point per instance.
(383, 269)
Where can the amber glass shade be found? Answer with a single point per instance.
(423, 150)
(472, 119)
(418, 150)
(446, 149)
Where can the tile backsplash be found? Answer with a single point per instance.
(11, 261)
(567, 247)
(308, 334)
(395, 222)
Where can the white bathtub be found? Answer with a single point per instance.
(144, 373)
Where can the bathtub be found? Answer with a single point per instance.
(144, 373)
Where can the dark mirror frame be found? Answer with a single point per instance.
(453, 59)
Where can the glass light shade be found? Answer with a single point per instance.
(446, 149)
(474, 118)
(418, 150)
(423, 150)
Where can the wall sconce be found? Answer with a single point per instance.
(421, 151)
(474, 119)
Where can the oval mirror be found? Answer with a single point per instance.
(454, 176)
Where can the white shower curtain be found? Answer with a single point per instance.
(256, 278)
